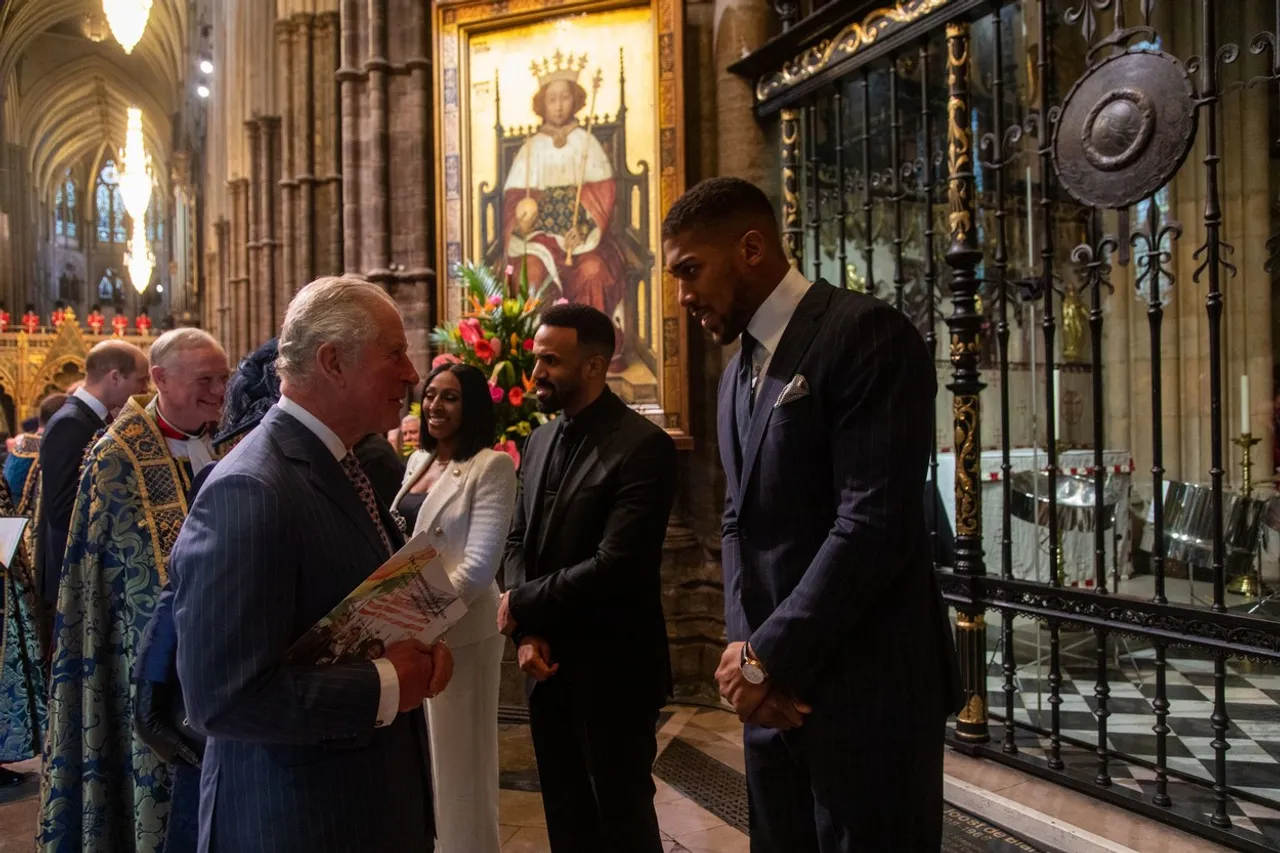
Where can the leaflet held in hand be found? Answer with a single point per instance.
(409, 597)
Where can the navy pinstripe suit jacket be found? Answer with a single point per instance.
(277, 536)
(825, 552)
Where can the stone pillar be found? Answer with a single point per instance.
(269, 324)
(242, 316)
(376, 197)
(740, 26)
(304, 171)
(253, 233)
(288, 183)
(965, 322)
(219, 305)
(327, 59)
(350, 84)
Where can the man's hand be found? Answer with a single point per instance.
(415, 667)
(534, 657)
(744, 696)
(441, 670)
(572, 240)
(506, 622)
(779, 711)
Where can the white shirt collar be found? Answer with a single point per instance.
(91, 401)
(772, 317)
(317, 426)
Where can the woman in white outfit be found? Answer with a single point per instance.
(462, 493)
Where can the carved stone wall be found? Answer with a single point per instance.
(387, 203)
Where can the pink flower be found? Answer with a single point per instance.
(516, 396)
(496, 344)
(470, 331)
(509, 447)
(495, 301)
(496, 393)
(561, 301)
(444, 358)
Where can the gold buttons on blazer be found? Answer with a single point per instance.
(439, 531)
(457, 472)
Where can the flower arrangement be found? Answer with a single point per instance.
(495, 334)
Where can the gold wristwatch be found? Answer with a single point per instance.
(752, 669)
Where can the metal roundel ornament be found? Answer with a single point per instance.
(1125, 129)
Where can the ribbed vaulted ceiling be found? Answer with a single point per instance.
(73, 93)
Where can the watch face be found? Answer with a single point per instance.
(752, 673)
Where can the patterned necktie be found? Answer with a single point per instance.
(365, 490)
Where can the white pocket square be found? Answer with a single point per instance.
(798, 387)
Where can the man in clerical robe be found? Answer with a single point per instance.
(22, 681)
(103, 790)
(22, 467)
(558, 200)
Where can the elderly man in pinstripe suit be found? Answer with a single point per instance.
(305, 758)
(840, 660)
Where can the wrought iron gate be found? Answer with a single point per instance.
(1029, 162)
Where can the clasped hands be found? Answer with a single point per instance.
(423, 671)
(764, 704)
(532, 653)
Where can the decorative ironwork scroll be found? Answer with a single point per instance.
(848, 42)
(792, 229)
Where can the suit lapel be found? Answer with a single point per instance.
(446, 489)
(325, 473)
(584, 459)
(537, 462)
(799, 335)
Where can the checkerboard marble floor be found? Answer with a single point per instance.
(1253, 707)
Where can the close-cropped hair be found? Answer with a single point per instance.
(717, 203)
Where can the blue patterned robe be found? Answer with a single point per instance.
(22, 684)
(22, 471)
(103, 790)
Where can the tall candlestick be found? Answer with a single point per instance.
(1031, 231)
(1244, 405)
(1057, 403)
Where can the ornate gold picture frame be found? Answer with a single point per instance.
(560, 150)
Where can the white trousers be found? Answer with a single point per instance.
(463, 724)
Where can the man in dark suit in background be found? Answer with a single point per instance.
(305, 758)
(840, 660)
(583, 600)
(114, 372)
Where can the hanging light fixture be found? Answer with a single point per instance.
(128, 20)
(135, 168)
(139, 259)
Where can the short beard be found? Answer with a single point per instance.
(550, 404)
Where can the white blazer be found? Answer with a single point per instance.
(468, 514)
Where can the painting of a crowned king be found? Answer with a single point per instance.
(569, 200)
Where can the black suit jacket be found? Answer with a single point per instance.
(62, 448)
(825, 551)
(587, 577)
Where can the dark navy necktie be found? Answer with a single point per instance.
(746, 389)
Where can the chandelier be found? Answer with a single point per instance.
(139, 259)
(128, 20)
(135, 168)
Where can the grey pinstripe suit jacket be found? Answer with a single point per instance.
(276, 537)
(825, 553)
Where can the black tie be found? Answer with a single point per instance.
(746, 391)
(559, 461)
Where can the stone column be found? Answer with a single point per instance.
(349, 81)
(328, 120)
(288, 183)
(740, 26)
(253, 218)
(269, 323)
(304, 151)
(376, 197)
(219, 306)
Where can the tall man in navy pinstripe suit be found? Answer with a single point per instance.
(305, 758)
(840, 659)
